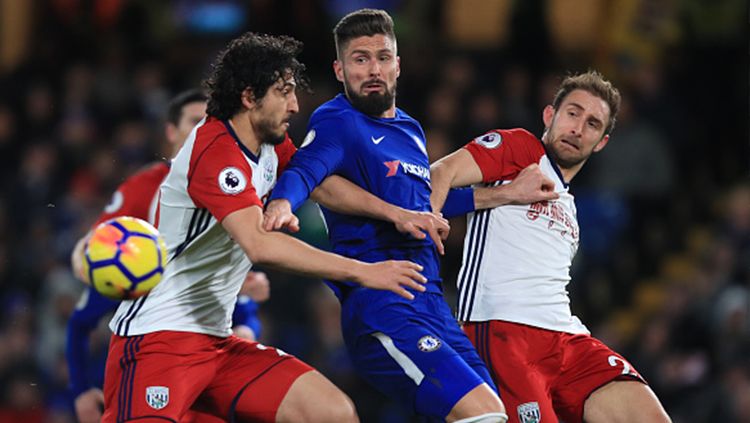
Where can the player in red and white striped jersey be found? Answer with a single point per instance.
(173, 349)
(512, 285)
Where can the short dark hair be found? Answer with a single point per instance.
(251, 61)
(362, 23)
(594, 83)
(174, 109)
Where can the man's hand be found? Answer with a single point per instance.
(417, 223)
(256, 286)
(392, 275)
(89, 406)
(76, 259)
(278, 215)
(531, 186)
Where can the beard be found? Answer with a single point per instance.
(265, 130)
(563, 159)
(372, 104)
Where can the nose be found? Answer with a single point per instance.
(293, 106)
(577, 127)
(375, 68)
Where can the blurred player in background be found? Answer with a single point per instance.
(173, 349)
(412, 351)
(138, 197)
(516, 265)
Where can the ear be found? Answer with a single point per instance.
(338, 70)
(398, 66)
(248, 99)
(601, 144)
(171, 133)
(548, 115)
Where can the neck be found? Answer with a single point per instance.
(390, 113)
(568, 173)
(245, 132)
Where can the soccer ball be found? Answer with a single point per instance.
(124, 258)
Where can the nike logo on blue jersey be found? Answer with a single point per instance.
(376, 141)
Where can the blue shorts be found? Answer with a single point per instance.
(412, 351)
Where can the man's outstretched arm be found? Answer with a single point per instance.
(284, 252)
(342, 196)
(460, 169)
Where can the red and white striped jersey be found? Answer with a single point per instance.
(213, 175)
(128, 199)
(517, 258)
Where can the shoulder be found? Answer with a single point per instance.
(514, 138)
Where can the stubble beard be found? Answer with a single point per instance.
(265, 130)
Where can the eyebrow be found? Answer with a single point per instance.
(362, 51)
(288, 83)
(592, 117)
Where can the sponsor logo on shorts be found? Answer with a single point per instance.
(157, 397)
(529, 412)
(428, 343)
(232, 181)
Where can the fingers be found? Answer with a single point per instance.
(275, 222)
(437, 238)
(404, 293)
(268, 221)
(415, 231)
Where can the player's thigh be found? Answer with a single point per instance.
(461, 343)
(148, 376)
(417, 367)
(254, 382)
(623, 402)
(313, 398)
(515, 364)
(588, 365)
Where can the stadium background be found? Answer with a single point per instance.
(663, 272)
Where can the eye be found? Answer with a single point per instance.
(360, 59)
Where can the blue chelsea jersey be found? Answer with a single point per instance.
(385, 156)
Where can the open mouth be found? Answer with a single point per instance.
(373, 86)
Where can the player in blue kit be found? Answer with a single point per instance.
(414, 350)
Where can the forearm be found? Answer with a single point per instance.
(289, 254)
(342, 196)
(284, 252)
(441, 180)
(487, 198)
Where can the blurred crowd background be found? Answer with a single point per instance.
(663, 271)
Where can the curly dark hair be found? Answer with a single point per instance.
(251, 61)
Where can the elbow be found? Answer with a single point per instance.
(440, 173)
(260, 251)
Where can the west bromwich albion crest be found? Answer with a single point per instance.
(157, 397)
(529, 413)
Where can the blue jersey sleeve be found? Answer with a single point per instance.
(91, 308)
(459, 202)
(321, 155)
(246, 313)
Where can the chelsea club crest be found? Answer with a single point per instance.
(428, 343)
